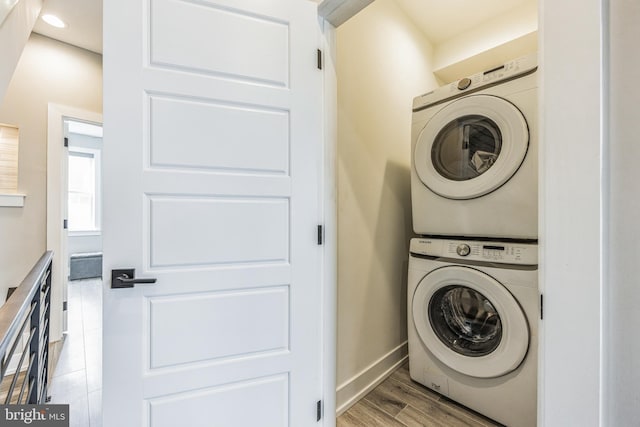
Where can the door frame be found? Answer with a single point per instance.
(329, 191)
(573, 211)
(581, 100)
(56, 208)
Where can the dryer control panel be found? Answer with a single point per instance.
(473, 250)
(507, 71)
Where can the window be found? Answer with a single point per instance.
(8, 159)
(84, 189)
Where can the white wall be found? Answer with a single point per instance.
(85, 243)
(383, 61)
(622, 293)
(571, 216)
(14, 33)
(48, 71)
(497, 31)
(489, 44)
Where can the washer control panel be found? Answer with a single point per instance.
(485, 251)
(506, 71)
(463, 249)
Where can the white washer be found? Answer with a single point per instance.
(475, 155)
(473, 313)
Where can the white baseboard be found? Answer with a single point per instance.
(354, 389)
(13, 363)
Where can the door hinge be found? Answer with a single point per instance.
(320, 234)
(64, 305)
(319, 59)
(541, 306)
(319, 410)
(66, 141)
(65, 223)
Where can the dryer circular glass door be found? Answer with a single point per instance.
(471, 147)
(470, 322)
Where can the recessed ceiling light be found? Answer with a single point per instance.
(54, 21)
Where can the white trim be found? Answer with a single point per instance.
(572, 199)
(85, 233)
(56, 210)
(329, 203)
(86, 129)
(12, 200)
(337, 12)
(363, 382)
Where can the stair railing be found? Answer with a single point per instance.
(24, 337)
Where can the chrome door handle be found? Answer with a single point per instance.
(125, 278)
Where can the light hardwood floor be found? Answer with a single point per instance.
(400, 402)
(54, 354)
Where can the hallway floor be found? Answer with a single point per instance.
(400, 402)
(77, 378)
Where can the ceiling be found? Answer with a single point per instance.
(442, 20)
(83, 19)
(439, 20)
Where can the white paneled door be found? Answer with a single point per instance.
(212, 160)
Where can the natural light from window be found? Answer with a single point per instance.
(82, 191)
(8, 159)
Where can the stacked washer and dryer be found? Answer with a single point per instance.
(473, 287)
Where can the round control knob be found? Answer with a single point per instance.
(463, 249)
(464, 83)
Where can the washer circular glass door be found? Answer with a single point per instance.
(471, 147)
(470, 322)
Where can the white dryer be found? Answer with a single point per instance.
(475, 155)
(473, 310)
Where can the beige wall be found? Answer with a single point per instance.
(383, 61)
(489, 44)
(48, 71)
(14, 33)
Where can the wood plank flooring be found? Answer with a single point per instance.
(6, 384)
(400, 402)
(54, 353)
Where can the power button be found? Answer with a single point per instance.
(464, 83)
(463, 249)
